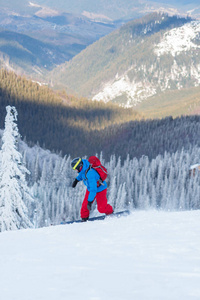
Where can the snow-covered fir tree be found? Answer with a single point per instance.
(14, 191)
(162, 183)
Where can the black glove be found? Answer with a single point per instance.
(89, 205)
(74, 183)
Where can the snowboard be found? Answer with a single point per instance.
(103, 217)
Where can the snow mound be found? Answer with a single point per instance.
(147, 255)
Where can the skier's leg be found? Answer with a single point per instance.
(84, 210)
(102, 205)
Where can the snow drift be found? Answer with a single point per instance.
(147, 255)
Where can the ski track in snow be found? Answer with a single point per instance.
(147, 255)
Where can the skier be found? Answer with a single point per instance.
(95, 188)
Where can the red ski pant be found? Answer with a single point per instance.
(102, 205)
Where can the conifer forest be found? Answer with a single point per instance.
(163, 183)
(148, 161)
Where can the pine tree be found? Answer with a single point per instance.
(113, 191)
(14, 192)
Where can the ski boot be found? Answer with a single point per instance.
(84, 219)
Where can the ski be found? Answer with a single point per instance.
(103, 217)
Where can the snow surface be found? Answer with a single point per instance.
(147, 255)
(179, 39)
(134, 91)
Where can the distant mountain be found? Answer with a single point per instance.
(107, 9)
(65, 28)
(144, 58)
(34, 37)
(26, 54)
(42, 21)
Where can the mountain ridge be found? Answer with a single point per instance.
(123, 9)
(124, 67)
(132, 64)
(58, 36)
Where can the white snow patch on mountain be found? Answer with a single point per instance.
(34, 4)
(178, 73)
(134, 91)
(147, 255)
(157, 78)
(179, 39)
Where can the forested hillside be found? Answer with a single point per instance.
(172, 103)
(151, 137)
(151, 63)
(80, 127)
(57, 120)
(162, 183)
(123, 61)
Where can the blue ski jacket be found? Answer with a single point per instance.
(90, 180)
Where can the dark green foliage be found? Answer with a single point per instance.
(152, 137)
(152, 23)
(80, 127)
(58, 121)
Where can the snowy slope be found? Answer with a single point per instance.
(178, 41)
(147, 255)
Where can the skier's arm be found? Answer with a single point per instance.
(79, 177)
